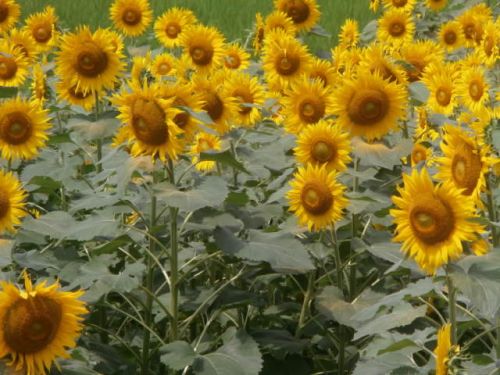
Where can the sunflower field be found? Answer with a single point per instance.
(314, 191)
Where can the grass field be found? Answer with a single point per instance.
(232, 17)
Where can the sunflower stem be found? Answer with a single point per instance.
(235, 172)
(354, 227)
(98, 141)
(305, 304)
(340, 285)
(492, 213)
(452, 293)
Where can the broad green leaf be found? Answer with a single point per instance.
(178, 354)
(8, 92)
(380, 155)
(419, 91)
(5, 252)
(397, 346)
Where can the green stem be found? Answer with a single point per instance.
(492, 212)
(235, 172)
(452, 293)
(340, 285)
(354, 227)
(174, 264)
(498, 338)
(305, 305)
(98, 141)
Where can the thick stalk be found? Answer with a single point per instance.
(98, 141)
(340, 285)
(492, 212)
(305, 305)
(174, 263)
(354, 227)
(452, 293)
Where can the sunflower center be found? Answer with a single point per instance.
(131, 16)
(316, 199)
(432, 220)
(287, 65)
(488, 45)
(397, 29)
(92, 60)
(8, 67)
(466, 168)
(201, 55)
(31, 324)
(232, 61)
(172, 30)
(450, 37)
(243, 97)
(475, 90)
(164, 68)
(181, 119)
(368, 107)
(323, 152)
(78, 94)
(42, 33)
(311, 111)
(297, 10)
(148, 122)
(399, 3)
(4, 204)
(15, 128)
(443, 96)
(469, 30)
(418, 154)
(4, 12)
(214, 106)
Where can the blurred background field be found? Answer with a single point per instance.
(233, 17)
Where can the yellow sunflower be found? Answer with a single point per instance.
(324, 144)
(370, 106)
(316, 197)
(39, 323)
(236, 58)
(375, 60)
(23, 128)
(131, 17)
(42, 27)
(259, 33)
(13, 65)
(442, 349)
(12, 197)
(279, 20)
(374, 4)
(306, 102)
(170, 26)
(250, 96)
(284, 60)
(304, 13)
(432, 220)
(418, 55)
(148, 122)
(115, 39)
(465, 163)
(472, 21)
(423, 130)
(436, 5)
(420, 153)
(473, 89)
(9, 14)
(38, 84)
(141, 66)
(324, 71)
(204, 142)
(488, 50)
(451, 36)
(349, 33)
(23, 40)
(69, 92)
(163, 65)
(440, 80)
(395, 27)
(205, 47)
(89, 60)
(406, 5)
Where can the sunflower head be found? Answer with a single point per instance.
(280, 20)
(12, 206)
(169, 27)
(13, 65)
(419, 153)
(440, 80)
(375, 60)
(349, 33)
(473, 88)
(396, 27)
(23, 40)
(304, 13)
(42, 28)
(9, 14)
(204, 142)
(418, 55)
(436, 5)
(488, 50)
(204, 46)
(131, 17)
(69, 92)
(451, 36)
(163, 65)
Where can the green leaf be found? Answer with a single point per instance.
(225, 158)
(380, 155)
(178, 355)
(397, 346)
(5, 252)
(419, 91)
(8, 92)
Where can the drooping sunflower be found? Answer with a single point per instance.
(406, 5)
(249, 94)
(464, 163)
(436, 5)
(370, 106)
(89, 60)
(12, 197)
(440, 80)
(38, 324)
(316, 197)
(9, 14)
(169, 27)
(236, 58)
(148, 122)
(432, 220)
(13, 65)
(280, 20)
(442, 349)
(204, 142)
(205, 47)
(131, 17)
(324, 144)
(349, 33)
(424, 131)
(23, 40)
(306, 102)
(284, 59)
(395, 27)
(69, 92)
(163, 65)
(38, 84)
(473, 89)
(376, 60)
(418, 55)
(304, 13)
(488, 50)
(259, 33)
(23, 128)
(451, 36)
(42, 27)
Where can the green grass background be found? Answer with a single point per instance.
(233, 17)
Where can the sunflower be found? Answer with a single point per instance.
(451, 36)
(324, 144)
(89, 60)
(38, 324)
(473, 89)
(436, 5)
(316, 197)
(23, 40)
(170, 26)
(472, 21)
(432, 220)
(249, 94)
(395, 27)
(163, 65)
(12, 197)
(204, 46)
(406, 5)
(38, 84)
(279, 20)
(346, 61)
(9, 14)
(420, 153)
(442, 349)
(370, 106)
(376, 61)
(69, 92)
(464, 164)
(148, 122)
(374, 4)
(418, 55)
(235, 57)
(131, 17)
(306, 102)
(13, 65)
(488, 50)
(258, 37)
(42, 27)
(324, 71)
(23, 128)
(284, 59)
(115, 39)
(202, 143)
(141, 66)
(304, 13)
(440, 80)
(423, 130)
(349, 34)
